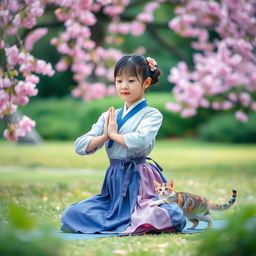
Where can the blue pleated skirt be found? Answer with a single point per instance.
(122, 205)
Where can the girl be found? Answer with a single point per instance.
(128, 134)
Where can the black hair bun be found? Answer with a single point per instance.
(155, 75)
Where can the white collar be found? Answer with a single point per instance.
(131, 107)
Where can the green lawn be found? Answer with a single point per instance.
(47, 178)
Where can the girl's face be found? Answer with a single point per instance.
(130, 89)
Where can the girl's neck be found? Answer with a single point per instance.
(129, 104)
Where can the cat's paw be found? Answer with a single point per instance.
(152, 203)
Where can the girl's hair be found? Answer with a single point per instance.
(136, 65)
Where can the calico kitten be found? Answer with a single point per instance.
(195, 207)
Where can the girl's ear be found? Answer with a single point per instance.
(147, 82)
(172, 183)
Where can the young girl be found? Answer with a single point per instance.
(128, 134)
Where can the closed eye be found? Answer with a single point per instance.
(131, 81)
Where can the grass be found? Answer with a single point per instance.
(47, 178)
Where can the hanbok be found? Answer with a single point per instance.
(122, 207)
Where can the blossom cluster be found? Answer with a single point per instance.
(20, 129)
(18, 79)
(135, 27)
(85, 58)
(224, 75)
(82, 54)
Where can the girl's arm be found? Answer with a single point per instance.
(119, 138)
(146, 131)
(95, 137)
(99, 140)
(95, 142)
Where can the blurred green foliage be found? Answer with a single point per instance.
(19, 238)
(69, 118)
(225, 128)
(237, 239)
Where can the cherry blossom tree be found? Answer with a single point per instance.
(224, 74)
(18, 75)
(222, 78)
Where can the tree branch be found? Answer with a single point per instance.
(175, 51)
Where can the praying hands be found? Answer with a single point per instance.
(110, 132)
(112, 128)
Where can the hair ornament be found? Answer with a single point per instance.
(152, 63)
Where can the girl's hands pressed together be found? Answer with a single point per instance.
(112, 125)
(113, 128)
(99, 140)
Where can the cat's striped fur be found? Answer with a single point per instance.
(195, 207)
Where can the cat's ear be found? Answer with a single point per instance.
(172, 183)
(156, 184)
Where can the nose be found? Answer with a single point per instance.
(124, 85)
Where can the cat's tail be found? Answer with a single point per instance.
(221, 207)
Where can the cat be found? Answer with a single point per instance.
(195, 207)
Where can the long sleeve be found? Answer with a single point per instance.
(82, 142)
(145, 133)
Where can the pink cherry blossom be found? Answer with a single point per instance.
(204, 103)
(20, 99)
(88, 18)
(19, 129)
(253, 106)
(113, 10)
(188, 112)
(62, 65)
(111, 90)
(2, 44)
(12, 55)
(11, 134)
(145, 17)
(174, 107)
(241, 116)
(104, 2)
(34, 37)
(26, 124)
(137, 28)
(6, 83)
(227, 105)
(100, 71)
(25, 89)
(76, 92)
(96, 91)
(245, 99)
(32, 79)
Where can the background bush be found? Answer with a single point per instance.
(238, 238)
(225, 128)
(68, 118)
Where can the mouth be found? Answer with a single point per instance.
(125, 93)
